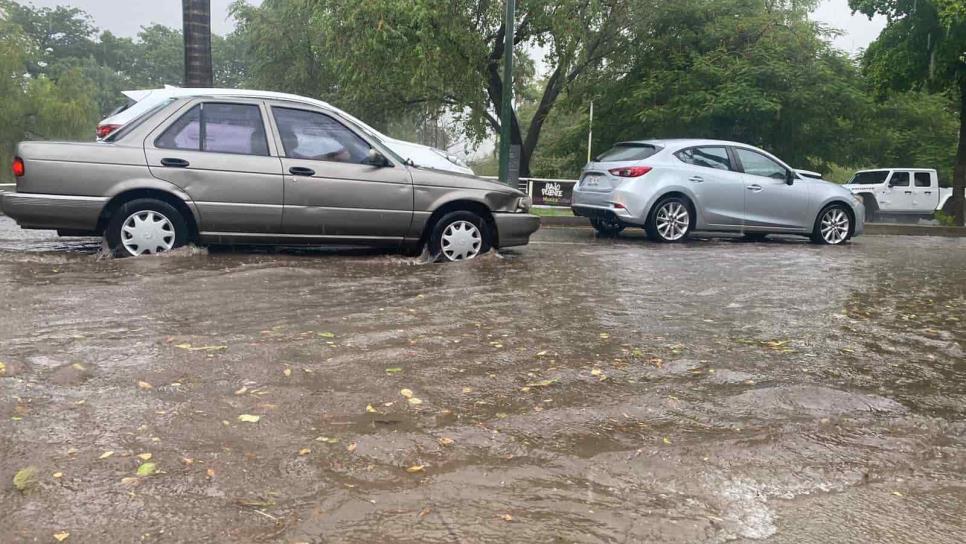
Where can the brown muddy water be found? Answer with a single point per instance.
(575, 390)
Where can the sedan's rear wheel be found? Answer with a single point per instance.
(145, 227)
(459, 236)
(833, 226)
(670, 221)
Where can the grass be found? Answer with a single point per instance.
(552, 212)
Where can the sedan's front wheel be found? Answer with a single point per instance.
(833, 226)
(145, 227)
(459, 236)
(671, 220)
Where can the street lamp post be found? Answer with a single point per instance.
(506, 108)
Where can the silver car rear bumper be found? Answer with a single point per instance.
(41, 211)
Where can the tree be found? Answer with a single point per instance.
(922, 48)
(197, 43)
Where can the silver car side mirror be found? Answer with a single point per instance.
(377, 159)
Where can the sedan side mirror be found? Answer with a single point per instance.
(790, 177)
(377, 159)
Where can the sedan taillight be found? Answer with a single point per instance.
(18, 167)
(630, 171)
(104, 130)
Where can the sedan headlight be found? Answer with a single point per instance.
(524, 204)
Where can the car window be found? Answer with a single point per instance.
(756, 164)
(706, 156)
(315, 136)
(923, 179)
(627, 152)
(874, 177)
(218, 128)
(899, 179)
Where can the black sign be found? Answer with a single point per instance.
(553, 193)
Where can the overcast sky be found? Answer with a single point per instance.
(125, 17)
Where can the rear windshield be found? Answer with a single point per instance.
(869, 178)
(134, 123)
(628, 152)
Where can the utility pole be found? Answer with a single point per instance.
(506, 108)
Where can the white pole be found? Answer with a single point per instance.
(590, 131)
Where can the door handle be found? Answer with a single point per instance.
(174, 163)
(928, 192)
(301, 171)
(754, 188)
(908, 192)
(696, 179)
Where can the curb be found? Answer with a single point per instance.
(871, 229)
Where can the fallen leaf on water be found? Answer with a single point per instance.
(327, 335)
(62, 536)
(415, 468)
(210, 472)
(444, 441)
(371, 410)
(506, 517)
(187, 460)
(106, 454)
(604, 335)
(897, 494)
(467, 389)
(351, 447)
(541, 353)
(3, 368)
(144, 385)
(408, 393)
(666, 440)
(189, 347)
(248, 418)
(24, 478)
(305, 451)
(58, 475)
(425, 512)
(415, 402)
(287, 372)
(242, 391)
(596, 372)
(144, 456)
(394, 370)
(147, 469)
(542, 383)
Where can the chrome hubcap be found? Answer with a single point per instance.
(461, 241)
(147, 232)
(673, 221)
(835, 226)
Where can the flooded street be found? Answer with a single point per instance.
(574, 390)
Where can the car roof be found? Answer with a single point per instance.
(685, 142)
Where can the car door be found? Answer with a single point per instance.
(331, 189)
(218, 152)
(716, 184)
(924, 195)
(770, 202)
(897, 194)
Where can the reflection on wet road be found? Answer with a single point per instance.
(570, 391)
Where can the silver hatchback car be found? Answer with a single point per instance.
(674, 187)
(250, 169)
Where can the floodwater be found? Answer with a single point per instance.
(575, 390)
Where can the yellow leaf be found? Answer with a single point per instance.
(371, 410)
(147, 469)
(467, 389)
(3, 368)
(351, 447)
(24, 478)
(106, 454)
(596, 372)
(248, 418)
(144, 385)
(415, 468)
(78, 366)
(144, 456)
(408, 393)
(415, 402)
(287, 372)
(58, 475)
(242, 391)
(541, 353)
(444, 441)
(305, 451)
(666, 440)
(506, 517)
(897, 494)
(604, 335)
(210, 472)
(61, 536)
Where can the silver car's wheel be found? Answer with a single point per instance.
(148, 232)
(834, 226)
(461, 241)
(672, 220)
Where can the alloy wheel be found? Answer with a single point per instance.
(835, 226)
(673, 220)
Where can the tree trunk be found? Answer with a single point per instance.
(197, 42)
(956, 207)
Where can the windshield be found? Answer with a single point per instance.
(627, 152)
(869, 178)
